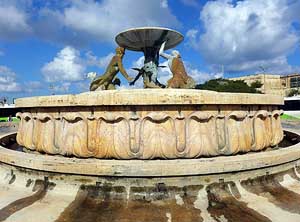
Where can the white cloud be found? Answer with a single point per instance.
(32, 86)
(201, 76)
(66, 66)
(13, 21)
(245, 35)
(101, 62)
(8, 80)
(277, 65)
(9, 83)
(104, 20)
(192, 35)
(164, 4)
(61, 88)
(49, 26)
(80, 22)
(83, 86)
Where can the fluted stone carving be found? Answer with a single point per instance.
(150, 134)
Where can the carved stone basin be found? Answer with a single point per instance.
(139, 39)
(148, 124)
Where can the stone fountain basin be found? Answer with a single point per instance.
(257, 186)
(139, 39)
(150, 124)
(12, 154)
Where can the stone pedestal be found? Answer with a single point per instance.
(151, 123)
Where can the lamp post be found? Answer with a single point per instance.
(51, 88)
(264, 73)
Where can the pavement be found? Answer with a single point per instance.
(288, 124)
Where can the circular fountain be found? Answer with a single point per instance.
(150, 155)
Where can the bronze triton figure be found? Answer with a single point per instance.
(180, 78)
(109, 80)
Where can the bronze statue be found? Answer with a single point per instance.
(180, 78)
(109, 80)
(147, 75)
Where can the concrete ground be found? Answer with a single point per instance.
(264, 198)
(291, 124)
(27, 196)
(7, 127)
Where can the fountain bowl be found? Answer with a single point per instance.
(150, 124)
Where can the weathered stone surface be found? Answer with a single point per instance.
(150, 168)
(161, 130)
(150, 97)
(261, 186)
(148, 134)
(264, 194)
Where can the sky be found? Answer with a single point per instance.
(48, 46)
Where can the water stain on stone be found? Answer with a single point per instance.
(40, 188)
(222, 203)
(269, 187)
(280, 176)
(12, 179)
(29, 182)
(83, 180)
(98, 203)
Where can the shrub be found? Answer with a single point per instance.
(293, 92)
(226, 85)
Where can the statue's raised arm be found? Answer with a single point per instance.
(162, 53)
(180, 78)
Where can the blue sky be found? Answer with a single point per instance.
(49, 46)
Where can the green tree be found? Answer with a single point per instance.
(256, 85)
(226, 85)
(293, 92)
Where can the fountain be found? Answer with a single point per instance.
(149, 124)
(151, 154)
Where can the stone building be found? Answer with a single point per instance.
(289, 82)
(273, 84)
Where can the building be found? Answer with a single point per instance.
(273, 84)
(289, 82)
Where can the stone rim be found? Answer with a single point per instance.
(148, 97)
(149, 168)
